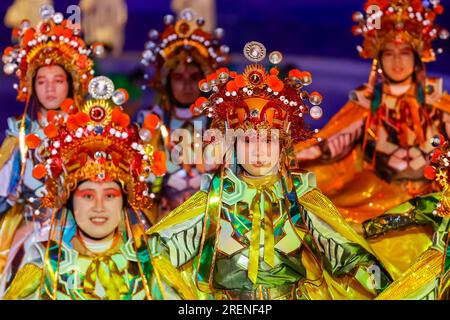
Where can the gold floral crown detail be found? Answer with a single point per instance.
(184, 39)
(54, 41)
(259, 96)
(410, 21)
(97, 143)
(438, 171)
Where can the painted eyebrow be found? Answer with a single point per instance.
(57, 76)
(83, 190)
(112, 189)
(106, 189)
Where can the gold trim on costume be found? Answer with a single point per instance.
(425, 270)
(25, 283)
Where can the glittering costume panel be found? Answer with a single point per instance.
(419, 282)
(416, 211)
(305, 243)
(374, 161)
(113, 275)
(16, 206)
(427, 278)
(52, 41)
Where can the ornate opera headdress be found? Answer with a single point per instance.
(439, 171)
(52, 42)
(258, 98)
(410, 21)
(260, 101)
(183, 40)
(97, 143)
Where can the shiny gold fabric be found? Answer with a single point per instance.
(269, 238)
(443, 103)
(106, 271)
(315, 201)
(367, 196)
(262, 187)
(340, 121)
(12, 219)
(397, 251)
(363, 196)
(425, 270)
(179, 279)
(359, 194)
(8, 226)
(402, 248)
(320, 285)
(103, 268)
(25, 283)
(189, 209)
(7, 148)
(255, 239)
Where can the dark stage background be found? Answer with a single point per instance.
(314, 35)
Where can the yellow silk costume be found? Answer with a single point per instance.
(373, 152)
(11, 220)
(111, 275)
(356, 189)
(50, 42)
(318, 283)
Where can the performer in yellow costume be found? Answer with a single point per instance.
(374, 150)
(95, 168)
(259, 228)
(53, 66)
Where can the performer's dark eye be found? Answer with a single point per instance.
(88, 197)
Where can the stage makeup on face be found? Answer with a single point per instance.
(97, 208)
(51, 86)
(398, 61)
